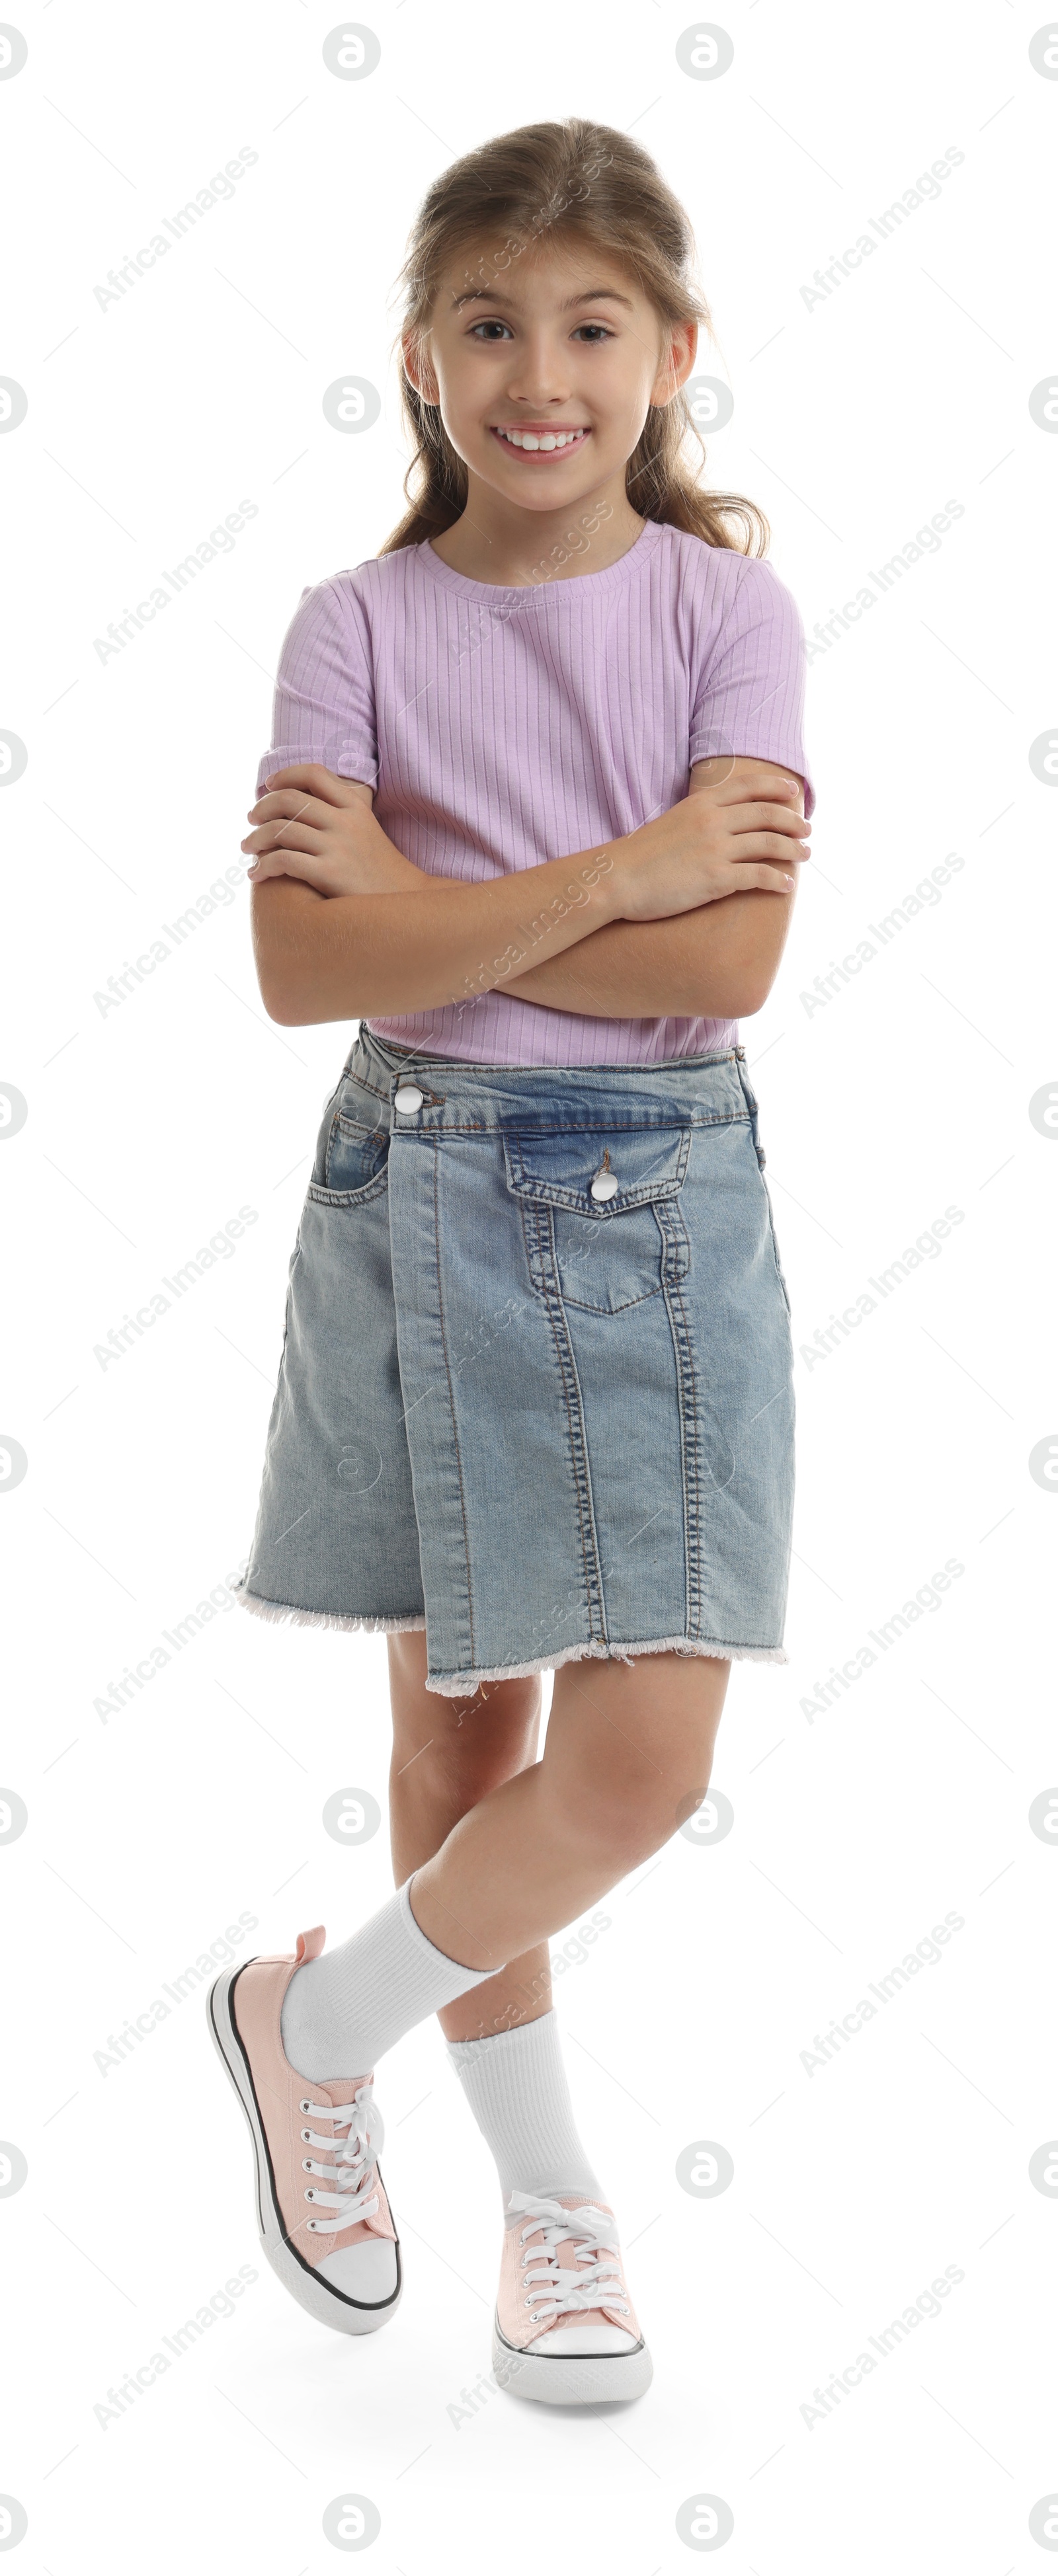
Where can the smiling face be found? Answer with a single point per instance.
(544, 372)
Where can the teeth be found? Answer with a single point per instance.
(547, 438)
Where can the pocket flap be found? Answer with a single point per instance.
(558, 1166)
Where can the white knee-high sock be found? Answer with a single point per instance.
(516, 2086)
(342, 2011)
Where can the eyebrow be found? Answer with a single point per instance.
(591, 295)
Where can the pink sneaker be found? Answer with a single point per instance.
(322, 2213)
(565, 2329)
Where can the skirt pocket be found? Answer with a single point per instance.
(352, 1153)
(591, 1202)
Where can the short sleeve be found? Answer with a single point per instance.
(750, 693)
(324, 705)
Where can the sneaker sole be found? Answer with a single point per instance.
(330, 2307)
(554, 2379)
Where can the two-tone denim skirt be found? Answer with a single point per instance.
(535, 1393)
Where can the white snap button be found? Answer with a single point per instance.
(605, 1185)
(408, 1099)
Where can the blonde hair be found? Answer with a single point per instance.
(579, 182)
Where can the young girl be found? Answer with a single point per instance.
(535, 805)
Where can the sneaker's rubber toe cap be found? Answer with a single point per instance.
(584, 2342)
(366, 2272)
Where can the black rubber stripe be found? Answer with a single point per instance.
(523, 2352)
(368, 2307)
(245, 2113)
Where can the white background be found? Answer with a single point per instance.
(199, 1796)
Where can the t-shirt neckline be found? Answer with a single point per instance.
(627, 564)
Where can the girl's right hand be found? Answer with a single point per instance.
(318, 827)
(736, 832)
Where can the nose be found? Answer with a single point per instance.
(540, 373)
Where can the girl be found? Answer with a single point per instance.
(535, 804)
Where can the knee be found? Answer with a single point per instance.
(465, 1747)
(626, 1822)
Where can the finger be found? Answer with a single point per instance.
(767, 818)
(768, 845)
(763, 879)
(292, 801)
(318, 781)
(279, 863)
(284, 836)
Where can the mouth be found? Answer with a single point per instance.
(540, 443)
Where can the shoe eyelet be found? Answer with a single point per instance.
(305, 2136)
(310, 2194)
(305, 2165)
(303, 2106)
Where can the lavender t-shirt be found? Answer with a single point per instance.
(503, 727)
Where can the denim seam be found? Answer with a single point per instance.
(661, 1126)
(676, 1247)
(355, 1130)
(672, 1226)
(690, 1435)
(452, 1403)
(627, 1303)
(364, 1085)
(543, 1262)
(552, 1194)
(567, 1127)
(359, 1126)
(530, 1185)
(597, 1126)
(349, 1198)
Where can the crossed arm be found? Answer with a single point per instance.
(717, 963)
(325, 952)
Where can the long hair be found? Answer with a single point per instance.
(579, 183)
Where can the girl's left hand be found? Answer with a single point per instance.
(317, 827)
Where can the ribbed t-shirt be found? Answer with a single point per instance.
(501, 727)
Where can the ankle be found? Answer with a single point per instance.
(516, 2086)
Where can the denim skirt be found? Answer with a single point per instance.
(535, 1394)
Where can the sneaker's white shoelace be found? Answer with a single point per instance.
(553, 2290)
(351, 2160)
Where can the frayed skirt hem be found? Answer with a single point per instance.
(285, 1610)
(457, 1685)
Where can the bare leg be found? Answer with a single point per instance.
(627, 1758)
(447, 1755)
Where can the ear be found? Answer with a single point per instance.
(417, 367)
(676, 364)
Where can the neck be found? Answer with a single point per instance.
(493, 542)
